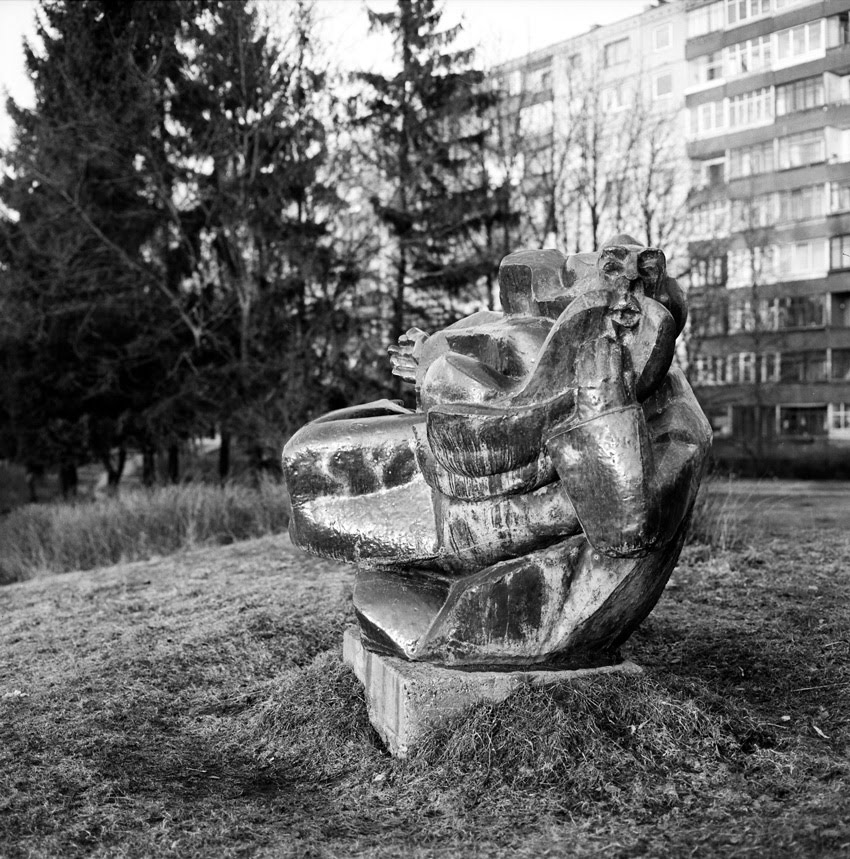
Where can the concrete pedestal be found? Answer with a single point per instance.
(406, 699)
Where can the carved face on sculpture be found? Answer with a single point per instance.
(638, 269)
(634, 270)
(630, 271)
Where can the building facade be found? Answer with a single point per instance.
(573, 114)
(759, 95)
(768, 103)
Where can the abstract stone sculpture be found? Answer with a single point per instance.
(530, 511)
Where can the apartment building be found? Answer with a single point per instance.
(768, 104)
(634, 64)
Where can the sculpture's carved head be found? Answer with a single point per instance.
(545, 282)
(632, 269)
(625, 264)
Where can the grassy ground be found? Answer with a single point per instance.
(196, 706)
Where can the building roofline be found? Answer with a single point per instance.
(527, 59)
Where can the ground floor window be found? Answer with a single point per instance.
(751, 422)
(802, 421)
(840, 419)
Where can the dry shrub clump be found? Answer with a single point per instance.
(40, 539)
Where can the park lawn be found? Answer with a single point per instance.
(196, 706)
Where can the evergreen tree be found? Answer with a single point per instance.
(89, 324)
(275, 283)
(169, 250)
(427, 136)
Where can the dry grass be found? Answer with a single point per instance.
(720, 519)
(56, 538)
(197, 706)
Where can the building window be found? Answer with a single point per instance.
(839, 252)
(767, 369)
(841, 365)
(709, 316)
(750, 56)
(839, 196)
(803, 366)
(537, 118)
(662, 37)
(710, 271)
(708, 174)
(704, 20)
(741, 368)
(710, 370)
(705, 69)
(802, 203)
(751, 160)
(751, 266)
(839, 316)
(614, 98)
(616, 52)
(741, 317)
(802, 421)
(739, 11)
(751, 212)
(515, 82)
(710, 319)
(799, 95)
(838, 30)
(799, 41)
(803, 311)
(707, 118)
(803, 259)
(800, 150)
(662, 85)
(539, 80)
(751, 108)
(840, 416)
(711, 219)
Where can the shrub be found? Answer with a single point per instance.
(39, 539)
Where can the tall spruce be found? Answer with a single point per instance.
(169, 258)
(90, 329)
(254, 161)
(427, 133)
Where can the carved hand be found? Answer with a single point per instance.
(405, 356)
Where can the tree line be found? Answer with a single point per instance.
(205, 227)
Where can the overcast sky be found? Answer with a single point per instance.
(500, 29)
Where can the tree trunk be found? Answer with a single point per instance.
(148, 466)
(68, 479)
(398, 308)
(114, 471)
(34, 473)
(224, 456)
(174, 463)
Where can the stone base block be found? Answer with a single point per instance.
(407, 699)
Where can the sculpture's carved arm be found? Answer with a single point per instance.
(590, 363)
(417, 350)
(632, 479)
